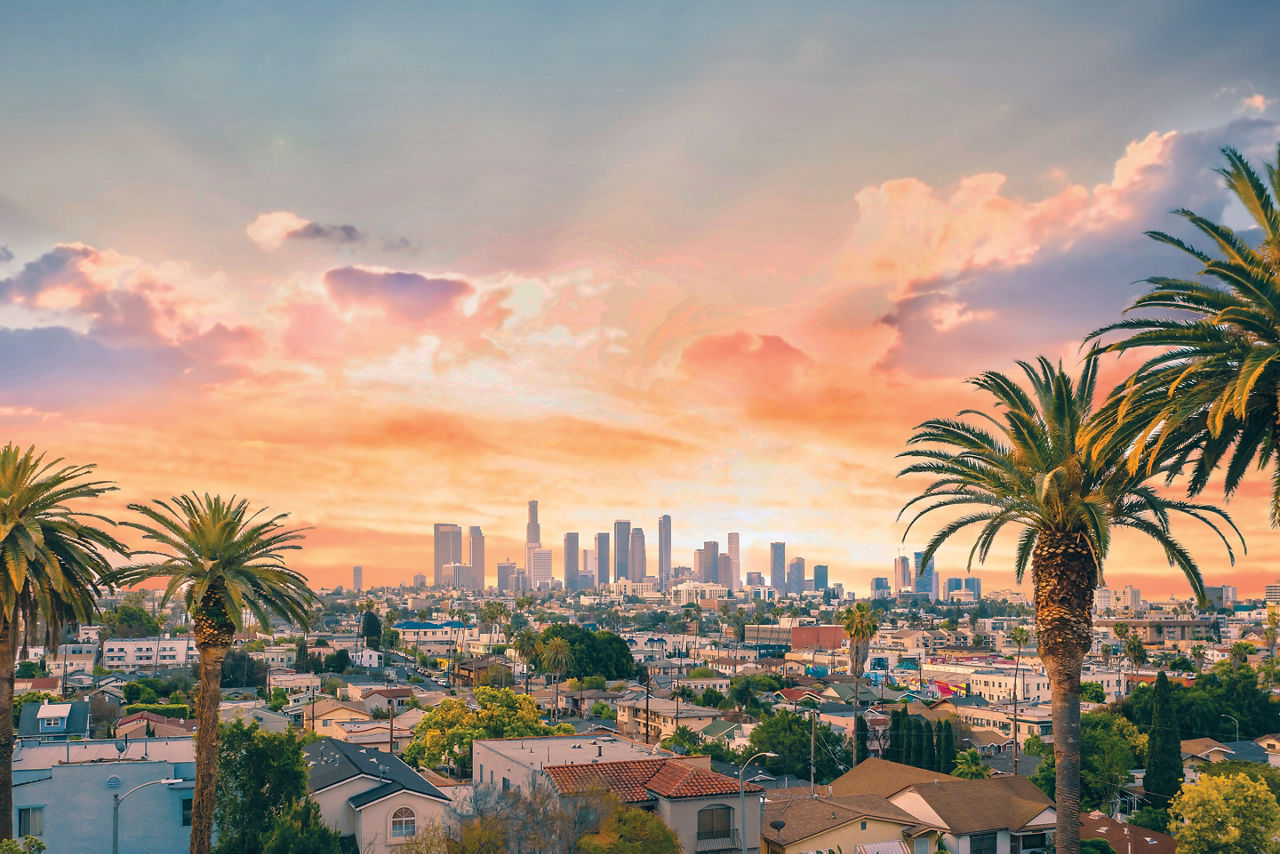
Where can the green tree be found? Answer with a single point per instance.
(54, 558)
(860, 735)
(279, 699)
(860, 625)
(556, 658)
(969, 766)
(20, 700)
(1096, 846)
(929, 755)
(225, 560)
(28, 845)
(371, 629)
(601, 709)
(1046, 470)
(896, 753)
(631, 831)
(241, 670)
(130, 621)
(300, 830)
(947, 756)
(1020, 638)
(526, 647)
(787, 735)
(260, 776)
(1164, 752)
(1232, 813)
(1091, 692)
(1211, 386)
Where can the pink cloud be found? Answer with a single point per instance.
(402, 296)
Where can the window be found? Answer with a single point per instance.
(714, 822)
(864, 826)
(31, 821)
(506, 784)
(982, 843)
(186, 812)
(404, 825)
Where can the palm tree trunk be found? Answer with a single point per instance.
(207, 737)
(8, 643)
(1064, 573)
(1017, 670)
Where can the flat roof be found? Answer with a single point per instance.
(54, 710)
(570, 749)
(28, 757)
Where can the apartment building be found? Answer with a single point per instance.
(661, 718)
(149, 653)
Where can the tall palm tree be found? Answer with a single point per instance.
(54, 558)
(1240, 652)
(1040, 472)
(969, 767)
(1214, 384)
(556, 657)
(860, 624)
(1197, 655)
(525, 644)
(226, 560)
(1136, 653)
(1020, 637)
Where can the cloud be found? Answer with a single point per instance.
(271, 230)
(5, 255)
(408, 296)
(1255, 103)
(327, 233)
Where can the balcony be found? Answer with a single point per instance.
(729, 842)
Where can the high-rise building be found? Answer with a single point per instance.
(1131, 598)
(795, 576)
(709, 568)
(419, 581)
(1221, 596)
(602, 559)
(621, 548)
(735, 562)
(533, 531)
(475, 552)
(506, 576)
(664, 553)
(540, 568)
(755, 579)
(639, 562)
(953, 585)
(357, 578)
(974, 585)
(880, 587)
(724, 569)
(820, 576)
(589, 568)
(448, 549)
(571, 561)
(778, 567)
(902, 573)
(926, 578)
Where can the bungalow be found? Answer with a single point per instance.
(324, 712)
(151, 725)
(794, 822)
(1202, 751)
(43, 722)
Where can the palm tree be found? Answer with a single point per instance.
(1197, 655)
(969, 767)
(526, 647)
(1020, 637)
(1214, 385)
(1135, 652)
(556, 657)
(1240, 652)
(860, 624)
(227, 560)
(1041, 471)
(54, 561)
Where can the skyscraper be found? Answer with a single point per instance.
(926, 578)
(664, 553)
(448, 549)
(357, 578)
(880, 588)
(735, 562)
(974, 585)
(419, 581)
(506, 576)
(588, 569)
(902, 573)
(709, 571)
(621, 546)
(724, 568)
(778, 567)
(602, 558)
(475, 554)
(639, 563)
(820, 576)
(795, 576)
(571, 561)
(533, 531)
(539, 568)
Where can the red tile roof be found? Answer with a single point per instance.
(639, 780)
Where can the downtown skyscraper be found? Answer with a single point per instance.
(735, 562)
(602, 559)
(475, 557)
(664, 553)
(571, 561)
(926, 580)
(778, 567)
(621, 548)
(638, 563)
(448, 549)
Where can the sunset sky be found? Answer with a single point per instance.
(415, 263)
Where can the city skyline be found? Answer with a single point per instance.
(634, 260)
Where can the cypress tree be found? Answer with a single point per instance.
(947, 759)
(895, 735)
(915, 755)
(861, 733)
(937, 746)
(1164, 753)
(930, 758)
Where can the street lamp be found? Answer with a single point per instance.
(115, 809)
(1237, 723)
(742, 795)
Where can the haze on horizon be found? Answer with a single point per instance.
(385, 267)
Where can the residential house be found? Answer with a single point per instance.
(62, 793)
(795, 823)
(388, 701)
(254, 712)
(151, 725)
(72, 658)
(374, 800)
(324, 712)
(661, 718)
(44, 722)
(373, 734)
(291, 682)
(1125, 837)
(1202, 751)
(280, 655)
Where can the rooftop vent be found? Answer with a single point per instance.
(113, 782)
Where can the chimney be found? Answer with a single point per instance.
(599, 751)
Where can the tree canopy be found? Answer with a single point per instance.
(600, 653)
(1231, 813)
(261, 775)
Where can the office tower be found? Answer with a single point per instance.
(589, 568)
(820, 576)
(724, 568)
(953, 585)
(778, 567)
(475, 553)
(880, 587)
(602, 559)
(636, 558)
(902, 573)
(755, 579)
(664, 553)
(448, 549)
(419, 581)
(1131, 598)
(926, 578)
(540, 568)
(533, 531)
(1221, 596)
(735, 562)
(357, 578)
(795, 576)
(506, 576)
(708, 565)
(974, 586)
(571, 561)
(621, 546)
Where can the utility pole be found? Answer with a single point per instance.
(813, 735)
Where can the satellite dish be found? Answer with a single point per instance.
(778, 824)
(122, 746)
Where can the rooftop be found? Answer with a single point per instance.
(640, 780)
(570, 749)
(27, 756)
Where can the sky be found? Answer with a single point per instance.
(387, 265)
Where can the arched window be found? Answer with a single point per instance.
(715, 823)
(404, 824)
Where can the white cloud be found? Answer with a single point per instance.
(271, 230)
